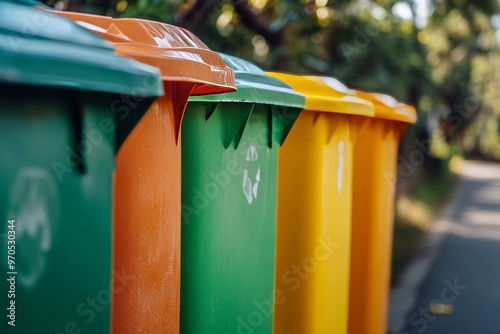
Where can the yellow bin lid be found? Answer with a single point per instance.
(387, 107)
(327, 94)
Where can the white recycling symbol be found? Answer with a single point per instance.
(251, 186)
(31, 203)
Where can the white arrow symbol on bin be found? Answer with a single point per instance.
(250, 187)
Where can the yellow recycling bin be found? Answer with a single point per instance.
(314, 208)
(374, 175)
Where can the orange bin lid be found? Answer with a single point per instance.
(177, 53)
(387, 107)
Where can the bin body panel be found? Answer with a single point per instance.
(228, 219)
(374, 179)
(146, 234)
(313, 226)
(56, 170)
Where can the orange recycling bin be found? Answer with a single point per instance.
(147, 189)
(374, 175)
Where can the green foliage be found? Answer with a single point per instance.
(446, 62)
(152, 9)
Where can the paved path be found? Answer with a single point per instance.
(460, 265)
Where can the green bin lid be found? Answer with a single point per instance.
(40, 48)
(255, 86)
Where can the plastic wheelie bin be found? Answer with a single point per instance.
(314, 208)
(229, 169)
(147, 214)
(58, 83)
(374, 179)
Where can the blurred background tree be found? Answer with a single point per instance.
(440, 55)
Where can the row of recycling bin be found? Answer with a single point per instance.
(149, 196)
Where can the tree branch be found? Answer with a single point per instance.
(275, 38)
(197, 14)
(257, 24)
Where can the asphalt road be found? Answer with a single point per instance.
(463, 281)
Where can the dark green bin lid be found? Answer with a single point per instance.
(40, 48)
(255, 86)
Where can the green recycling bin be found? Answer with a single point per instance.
(66, 103)
(229, 169)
